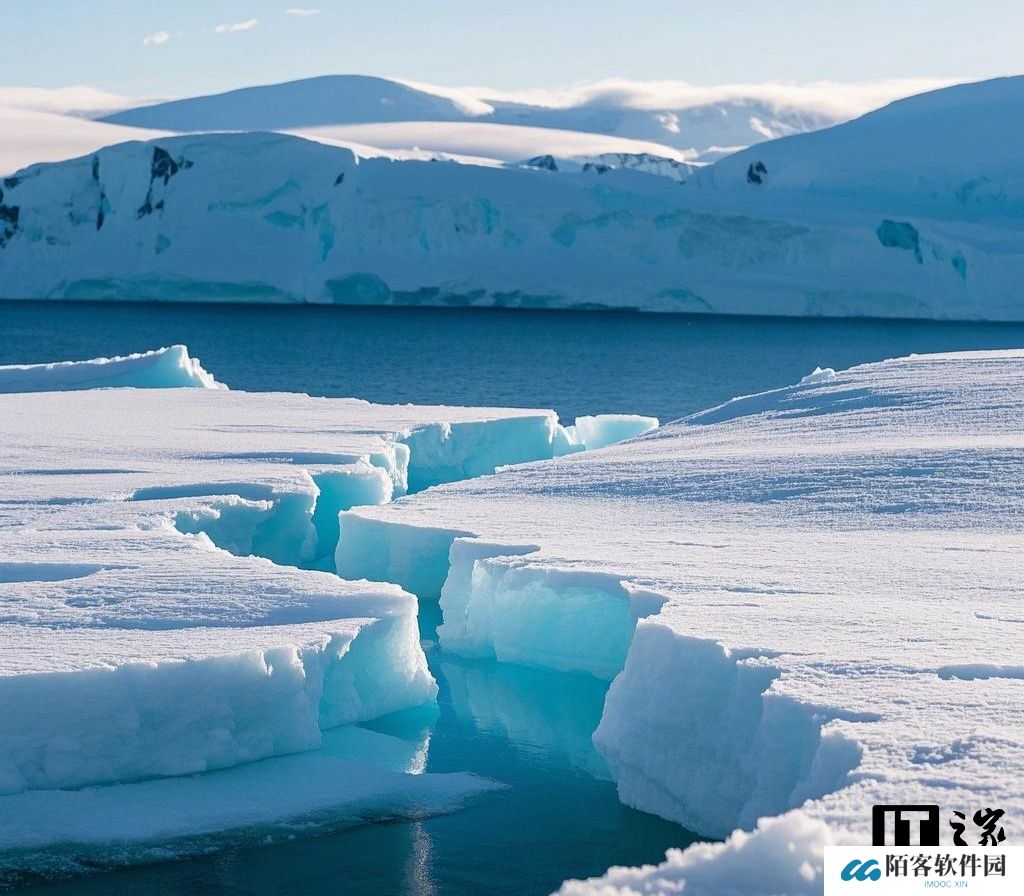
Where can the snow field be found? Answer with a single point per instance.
(829, 605)
(789, 592)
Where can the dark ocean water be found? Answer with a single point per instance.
(576, 362)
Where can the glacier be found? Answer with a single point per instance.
(167, 593)
(789, 593)
(832, 223)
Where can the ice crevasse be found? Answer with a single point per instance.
(167, 594)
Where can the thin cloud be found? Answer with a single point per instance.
(80, 100)
(156, 38)
(301, 11)
(232, 27)
(837, 100)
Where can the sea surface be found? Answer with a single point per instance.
(559, 816)
(577, 362)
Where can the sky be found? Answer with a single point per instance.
(185, 47)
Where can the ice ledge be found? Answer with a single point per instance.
(356, 776)
(165, 368)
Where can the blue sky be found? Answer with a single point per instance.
(526, 43)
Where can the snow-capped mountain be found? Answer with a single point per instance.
(331, 99)
(382, 117)
(959, 145)
(702, 124)
(837, 223)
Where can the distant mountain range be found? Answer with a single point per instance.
(914, 210)
(404, 120)
(701, 129)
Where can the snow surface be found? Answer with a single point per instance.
(954, 147)
(806, 599)
(168, 368)
(835, 223)
(745, 865)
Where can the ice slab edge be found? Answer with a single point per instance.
(721, 754)
(302, 528)
(167, 718)
(165, 368)
(54, 832)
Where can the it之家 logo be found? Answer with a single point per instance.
(927, 818)
(919, 825)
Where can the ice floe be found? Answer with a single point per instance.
(351, 779)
